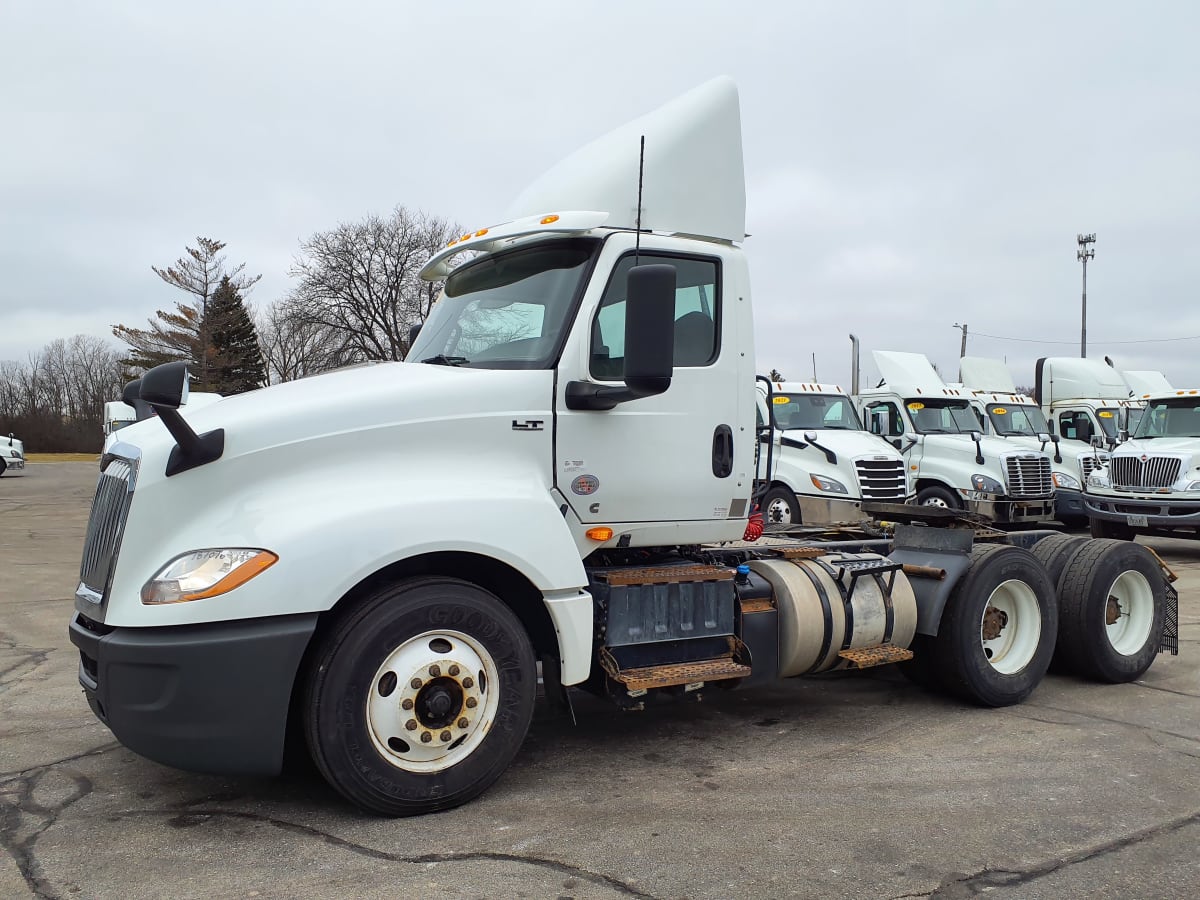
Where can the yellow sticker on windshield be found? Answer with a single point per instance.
(1104, 414)
(1000, 410)
(779, 400)
(916, 404)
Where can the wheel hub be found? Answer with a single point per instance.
(439, 702)
(1112, 612)
(994, 621)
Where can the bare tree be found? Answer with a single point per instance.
(293, 346)
(359, 289)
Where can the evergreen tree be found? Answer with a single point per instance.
(235, 363)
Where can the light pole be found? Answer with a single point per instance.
(962, 350)
(1083, 254)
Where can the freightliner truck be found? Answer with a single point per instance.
(1019, 420)
(825, 464)
(953, 464)
(562, 474)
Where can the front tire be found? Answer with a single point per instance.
(996, 637)
(419, 699)
(938, 496)
(779, 507)
(1113, 602)
(1117, 531)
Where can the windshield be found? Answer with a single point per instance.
(509, 311)
(1012, 420)
(1133, 415)
(1108, 421)
(942, 416)
(1177, 417)
(814, 412)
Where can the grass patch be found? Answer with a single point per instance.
(62, 457)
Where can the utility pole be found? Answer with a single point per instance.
(962, 351)
(1083, 254)
(814, 366)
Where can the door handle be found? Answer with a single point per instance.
(722, 451)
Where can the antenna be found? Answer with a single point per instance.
(637, 240)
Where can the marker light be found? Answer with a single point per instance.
(549, 220)
(603, 532)
(481, 232)
(205, 573)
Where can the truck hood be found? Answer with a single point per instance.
(1164, 446)
(338, 405)
(851, 444)
(993, 448)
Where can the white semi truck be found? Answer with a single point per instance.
(1084, 400)
(824, 464)
(562, 474)
(12, 456)
(1019, 420)
(953, 464)
(1142, 383)
(1152, 483)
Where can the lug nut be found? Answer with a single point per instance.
(463, 723)
(445, 736)
(407, 703)
(468, 682)
(435, 670)
(454, 670)
(416, 682)
(472, 703)
(426, 737)
(411, 724)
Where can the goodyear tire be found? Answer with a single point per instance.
(1055, 552)
(1111, 606)
(996, 636)
(780, 507)
(420, 697)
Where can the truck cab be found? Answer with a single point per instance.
(1018, 419)
(1152, 482)
(824, 463)
(1085, 401)
(953, 463)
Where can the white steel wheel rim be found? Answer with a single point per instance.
(433, 701)
(937, 501)
(1017, 643)
(779, 512)
(1135, 612)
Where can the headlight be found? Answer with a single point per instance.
(205, 573)
(821, 483)
(1063, 480)
(1098, 479)
(1194, 486)
(986, 484)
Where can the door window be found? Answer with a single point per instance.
(697, 315)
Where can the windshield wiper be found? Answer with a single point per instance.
(442, 360)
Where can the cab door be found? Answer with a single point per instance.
(683, 455)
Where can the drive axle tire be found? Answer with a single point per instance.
(997, 634)
(780, 507)
(1055, 552)
(941, 497)
(1117, 531)
(419, 699)
(1112, 606)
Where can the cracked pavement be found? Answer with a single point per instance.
(850, 786)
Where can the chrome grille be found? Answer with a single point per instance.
(1088, 465)
(1131, 472)
(110, 508)
(881, 479)
(1028, 476)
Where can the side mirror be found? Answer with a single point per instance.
(650, 329)
(1122, 436)
(165, 386)
(912, 439)
(977, 436)
(413, 332)
(810, 436)
(1097, 441)
(1045, 438)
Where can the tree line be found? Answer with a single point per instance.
(355, 298)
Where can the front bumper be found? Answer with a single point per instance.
(208, 698)
(1160, 512)
(14, 465)
(828, 511)
(1069, 504)
(1013, 512)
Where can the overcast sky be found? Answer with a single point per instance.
(909, 166)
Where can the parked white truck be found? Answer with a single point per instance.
(824, 464)
(1019, 420)
(12, 456)
(954, 465)
(1142, 383)
(562, 473)
(1152, 482)
(1083, 399)
(118, 414)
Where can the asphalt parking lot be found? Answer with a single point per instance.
(855, 785)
